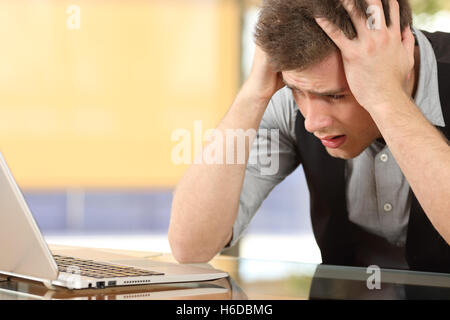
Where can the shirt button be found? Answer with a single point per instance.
(387, 207)
(384, 157)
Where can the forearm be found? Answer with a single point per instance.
(423, 155)
(206, 200)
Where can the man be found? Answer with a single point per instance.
(365, 110)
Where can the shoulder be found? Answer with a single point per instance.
(440, 41)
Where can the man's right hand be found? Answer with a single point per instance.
(262, 82)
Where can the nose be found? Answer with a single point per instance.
(317, 116)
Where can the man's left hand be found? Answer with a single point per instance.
(379, 61)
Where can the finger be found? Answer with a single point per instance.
(394, 14)
(408, 41)
(335, 34)
(358, 18)
(376, 18)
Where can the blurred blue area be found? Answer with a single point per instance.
(125, 211)
(285, 211)
(48, 208)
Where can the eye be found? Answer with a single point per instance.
(336, 96)
(296, 91)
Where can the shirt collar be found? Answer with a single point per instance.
(427, 94)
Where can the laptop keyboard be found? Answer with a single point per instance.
(94, 269)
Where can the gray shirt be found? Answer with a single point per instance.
(378, 194)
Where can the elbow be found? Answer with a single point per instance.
(192, 241)
(187, 255)
(185, 252)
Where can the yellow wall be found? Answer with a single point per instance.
(96, 107)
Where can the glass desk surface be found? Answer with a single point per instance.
(257, 280)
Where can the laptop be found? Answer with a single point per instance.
(25, 254)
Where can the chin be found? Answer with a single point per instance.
(344, 153)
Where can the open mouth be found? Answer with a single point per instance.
(334, 142)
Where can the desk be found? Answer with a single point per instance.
(249, 279)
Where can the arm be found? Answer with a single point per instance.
(206, 200)
(422, 153)
(379, 66)
(260, 177)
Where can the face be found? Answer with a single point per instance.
(330, 110)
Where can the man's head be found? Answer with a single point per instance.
(311, 65)
(287, 32)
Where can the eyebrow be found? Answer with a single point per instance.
(324, 93)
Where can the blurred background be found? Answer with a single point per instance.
(91, 92)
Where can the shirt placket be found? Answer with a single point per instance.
(385, 186)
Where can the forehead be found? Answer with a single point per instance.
(327, 74)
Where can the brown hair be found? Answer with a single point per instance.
(287, 32)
